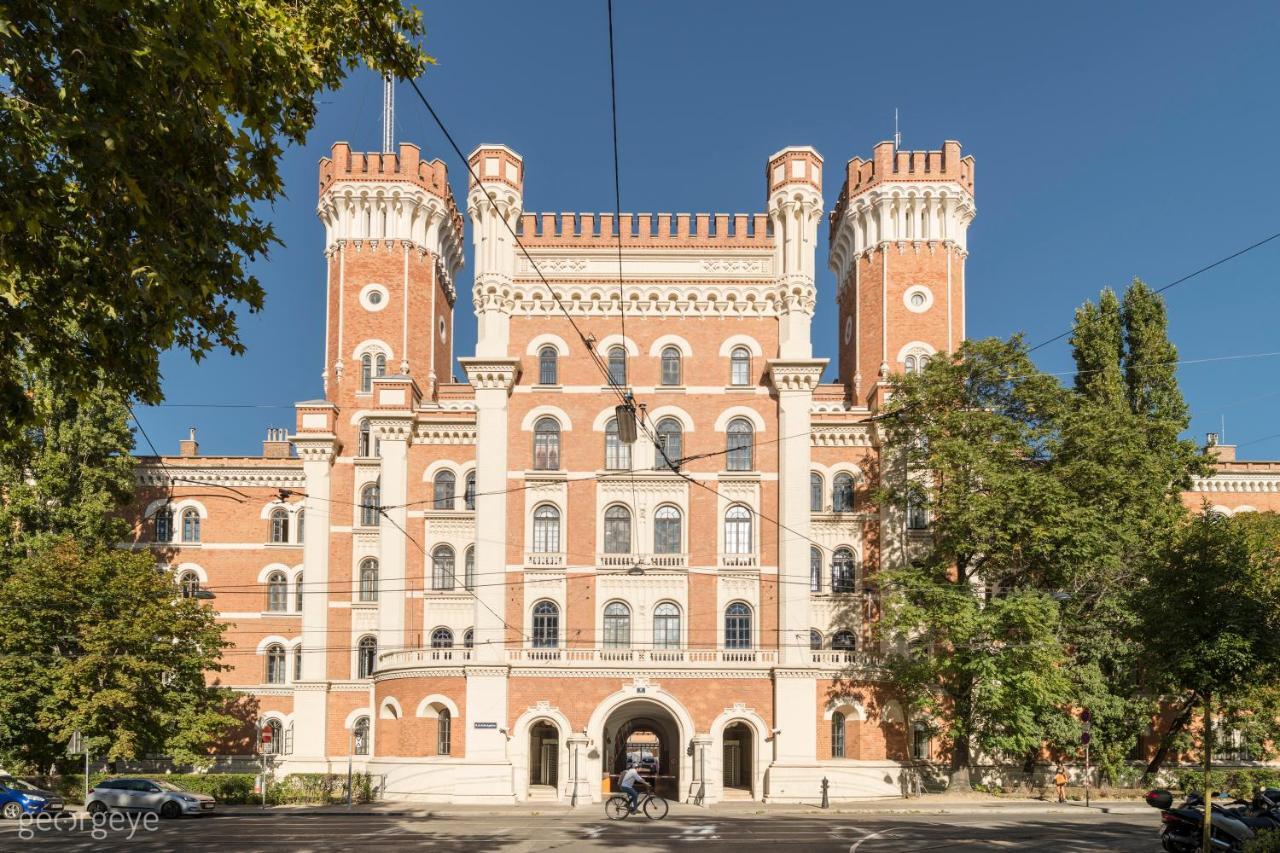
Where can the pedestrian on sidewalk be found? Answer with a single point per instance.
(1060, 784)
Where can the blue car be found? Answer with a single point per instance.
(18, 798)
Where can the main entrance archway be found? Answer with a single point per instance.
(643, 734)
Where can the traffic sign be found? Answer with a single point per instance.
(266, 734)
(1085, 738)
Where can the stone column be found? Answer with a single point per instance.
(579, 789)
(393, 432)
(704, 788)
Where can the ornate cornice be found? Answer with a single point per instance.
(797, 374)
(491, 373)
(148, 474)
(420, 672)
(444, 433)
(844, 435)
(389, 427)
(315, 447)
(518, 671)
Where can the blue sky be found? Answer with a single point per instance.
(1112, 140)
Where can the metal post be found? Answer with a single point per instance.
(86, 776)
(1086, 775)
(350, 749)
(1206, 843)
(826, 804)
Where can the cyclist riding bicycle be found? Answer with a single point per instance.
(628, 785)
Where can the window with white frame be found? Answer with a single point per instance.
(441, 638)
(618, 367)
(297, 662)
(670, 444)
(737, 626)
(737, 531)
(546, 625)
(671, 367)
(739, 444)
(444, 732)
(360, 736)
(668, 536)
(666, 626)
(617, 626)
(917, 517)
(548, 366)
(275, 664)
(188, 584)
(442, 568)
(546, 444)
(443, 490)
(815, 569)
(366, 657)
(279, 526)
(277, 592)
(546, 529)
(369, 579)
(469, 491)
(297, 592)
(469, 638)
(617, 530)
(842, 571)
(191, 525)
(369, 506)
(740, 366)
(837, 735)
(815, 492)
(368, 446)
(617, 453)
(844, 641)
(469, 568)
(842, 493)
(815, 639)
(163, 520)
(271, 745)
(301, 524)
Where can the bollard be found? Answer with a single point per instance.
(826, 804)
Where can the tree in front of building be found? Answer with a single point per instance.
(138, 143)
(968, 445)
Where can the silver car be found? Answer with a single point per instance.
(147, 795)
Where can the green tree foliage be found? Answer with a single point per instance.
(138, 141)
(96, 641)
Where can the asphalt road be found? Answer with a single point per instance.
(580, 831)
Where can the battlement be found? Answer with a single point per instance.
(407, 166)
(497, 164)
(797, 165)
(662, 230)
(890, 166)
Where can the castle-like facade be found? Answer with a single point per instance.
(481, 590)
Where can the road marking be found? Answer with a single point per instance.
(698, 832)
(881, 834)
(594, 832)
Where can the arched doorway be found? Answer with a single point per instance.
(644, 734)
(544, 759)
(738, 767)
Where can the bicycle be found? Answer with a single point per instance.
(618, 807)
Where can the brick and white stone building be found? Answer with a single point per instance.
(482, 593)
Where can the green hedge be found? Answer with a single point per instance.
(1241, 782)
(237, 788)
(1267, 841)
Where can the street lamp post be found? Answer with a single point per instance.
(351, 748)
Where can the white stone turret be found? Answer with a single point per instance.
(498, 196)
(794, 180)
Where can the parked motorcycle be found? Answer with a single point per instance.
(1234, 822)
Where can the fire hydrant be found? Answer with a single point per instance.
(826, 804)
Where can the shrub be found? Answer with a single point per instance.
(238, 788)
(1239, 782)
(1267, 841)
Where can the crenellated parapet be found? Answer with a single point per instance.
(646, 230)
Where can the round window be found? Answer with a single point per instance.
(918, 298)
(374, 297)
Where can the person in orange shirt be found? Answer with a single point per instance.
(1060, 784)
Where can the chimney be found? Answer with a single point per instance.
(1219, 452)
(189, 446)
(277, 444)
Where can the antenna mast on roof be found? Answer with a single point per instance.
(388, 114)
(897, 137)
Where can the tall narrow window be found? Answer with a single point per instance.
(275, 664)
(272, 745)
(369, 579)
(740, 366)
(921, 743)
(302, 529)
(441, 638)
(297, 662)
(548, 374)
(191, 525)
(164, 524)
(837, 735)
(279, 526)
(444, 732)
(546, 625)
(444, 486)
(546, 529)
(360, 736)
(297, 592)
(369, 508)
(189, 584)
(739, 442)
(917, 517)
(618, 367)
(366, 373)
(666, 626)
(842, 573)
(815, 569)
(737, 531)
(617, 530)
(737, 626)
(617, 626)
(546, 444)
(367, 657)
(367, 446)
(667, 535)
(442, 567)
(671, 366)
(380, 365)
(815, 492)
(815, 640)
(469, 491)
(469, 638)
(842, 493)
(277, 592)
(670, 445)
(469, 568)
(617, 453)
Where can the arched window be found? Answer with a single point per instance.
(444, 732)
(842, 493)
(443, 490)
(815, 569)
(837, 735)
(366, 657)
(302, 529)
(368, 446)
(279, 526)
(617, 453)
(844, 641)
(815, 639)
(617, 626)
(671, 366)
(546, 625)
(469, 568)
(737, 531)
(272, 745)
(666, 626)
(469, 638)
(277, 592)
(921, 743)
(737, 626)
(369, 579)
(442, 566)
(369, 497)
(815, 492)
(360, 736)
(469, 491)
(275, 664)
(740, 366)
(380, 365)
(617, 530)
(670, 445)
(548, 359)
(297, 592)
(739, 441)
(546, 529)
(842, 573)
(917, 517)
(188, 584)
(618, 367)
(366, 373)
(546, 444)
(297, 662)
(164, 524)
(441, 638)
(191, 525)
(667, 535)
